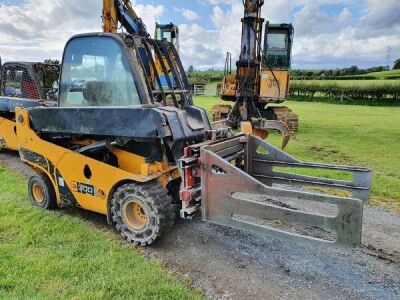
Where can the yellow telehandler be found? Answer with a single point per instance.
(114, 145)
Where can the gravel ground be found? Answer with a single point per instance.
(230, 264)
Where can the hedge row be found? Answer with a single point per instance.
(369, 94)
(358, 77)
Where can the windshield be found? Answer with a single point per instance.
(277, 41)
(164, 34)
(96, 72)
(277, 50)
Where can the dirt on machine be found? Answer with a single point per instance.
(261, 80)
(127, 142)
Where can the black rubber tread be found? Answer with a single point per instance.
(158, 203)
(173, 191)
(50, 200)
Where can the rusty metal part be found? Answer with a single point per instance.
(265, 125)
(231, 192)
(220, 112)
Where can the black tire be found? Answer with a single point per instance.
(41, 192)
(173, 191)
(142, 213)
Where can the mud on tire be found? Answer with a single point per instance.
(142, 213)
(41, 191)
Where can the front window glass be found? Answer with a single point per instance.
(277, 41)
(277, 50)
(167, 36)
(96, 73)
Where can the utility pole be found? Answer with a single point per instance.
(389, 49)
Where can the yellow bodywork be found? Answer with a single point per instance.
(90, 181)
(269, 91)
(110, 14)
(8, 137)
(268, 86)
(229, 86)
(110, 21)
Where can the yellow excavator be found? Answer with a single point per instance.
(261, 78)
(114, 146)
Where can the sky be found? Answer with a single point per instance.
(329, 34)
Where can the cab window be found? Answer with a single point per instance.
(277, 50)
(96, 72)
(277, 41)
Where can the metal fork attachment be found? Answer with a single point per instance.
(248, 184)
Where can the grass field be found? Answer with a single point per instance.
(347, 134)
(384, 74)
(59, 255)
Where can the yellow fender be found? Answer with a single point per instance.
(8, 136)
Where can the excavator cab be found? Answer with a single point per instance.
(278, 46)
(274, 82)
(170, 32)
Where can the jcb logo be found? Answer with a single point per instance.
(85, 189)
(273, 83)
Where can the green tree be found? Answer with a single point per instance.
(52, 61)
(396, 65)
(190, 69)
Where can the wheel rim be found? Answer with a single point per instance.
(135, 215)
(37, 193)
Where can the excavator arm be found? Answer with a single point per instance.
(121, 12)
(247, 87)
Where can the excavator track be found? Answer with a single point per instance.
(275, 113)
(286, 116)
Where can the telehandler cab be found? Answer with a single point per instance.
(122, 145)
